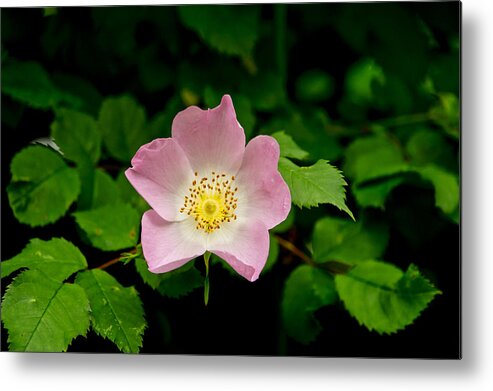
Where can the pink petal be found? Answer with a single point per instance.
(263, 193)
(245, 246)
(169, 245)
(162, 174)
(213, 140)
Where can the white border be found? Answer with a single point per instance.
(474, 372)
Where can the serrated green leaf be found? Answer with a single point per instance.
(110, 227)
(320, 183)
(37, 90)
(116, 311)
(375, 194)
(42, 188)
(230, 30)
(373, 157)
(122, 122)
(383, 298)
(336, 239)
(288, 147)
(43, 315)
(77, 135)
(446, 187)
(57, 258)
(306, 290)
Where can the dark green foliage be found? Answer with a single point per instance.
(363, 99)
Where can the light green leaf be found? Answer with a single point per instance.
(336, 239)
(36, 90)
(360, 79)
(57, 258)
(373, 157)
(383, 298)
(77, 135)
(228, 29)
(288, 147)
(116, 311)
(375, 194)
(122, 122)
(314, 85)
(306, 290)
(110, 227)
(320, 183)
(43, 315)
(42, 187)
(446, 187)
(174, 284)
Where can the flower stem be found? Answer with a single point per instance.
(207, 256)
(295, 250)
(281, 55)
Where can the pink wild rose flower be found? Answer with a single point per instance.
(208, 192)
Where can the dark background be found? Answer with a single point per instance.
(242, 318)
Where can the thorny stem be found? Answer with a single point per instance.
(129, 255)
(295, 250)
(333, 267)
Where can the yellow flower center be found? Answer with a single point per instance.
(211, 201)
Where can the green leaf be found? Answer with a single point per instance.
(446, 187)
(129, 195)
(29, 83)
(57, 258)
(314, 86)
(231, 30)
(336, 239)
(110, 227)
(306, 290)
(43, 315)
(373, 157)
(320, 183)
(116, 311)
(427, 146)
(288, 147)
(105, 189)
(42, 188)
(122, 122)
(375, 194)
(360, 79)
(175, 283)
(446, 113)
(77, 135)
(383, 298)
